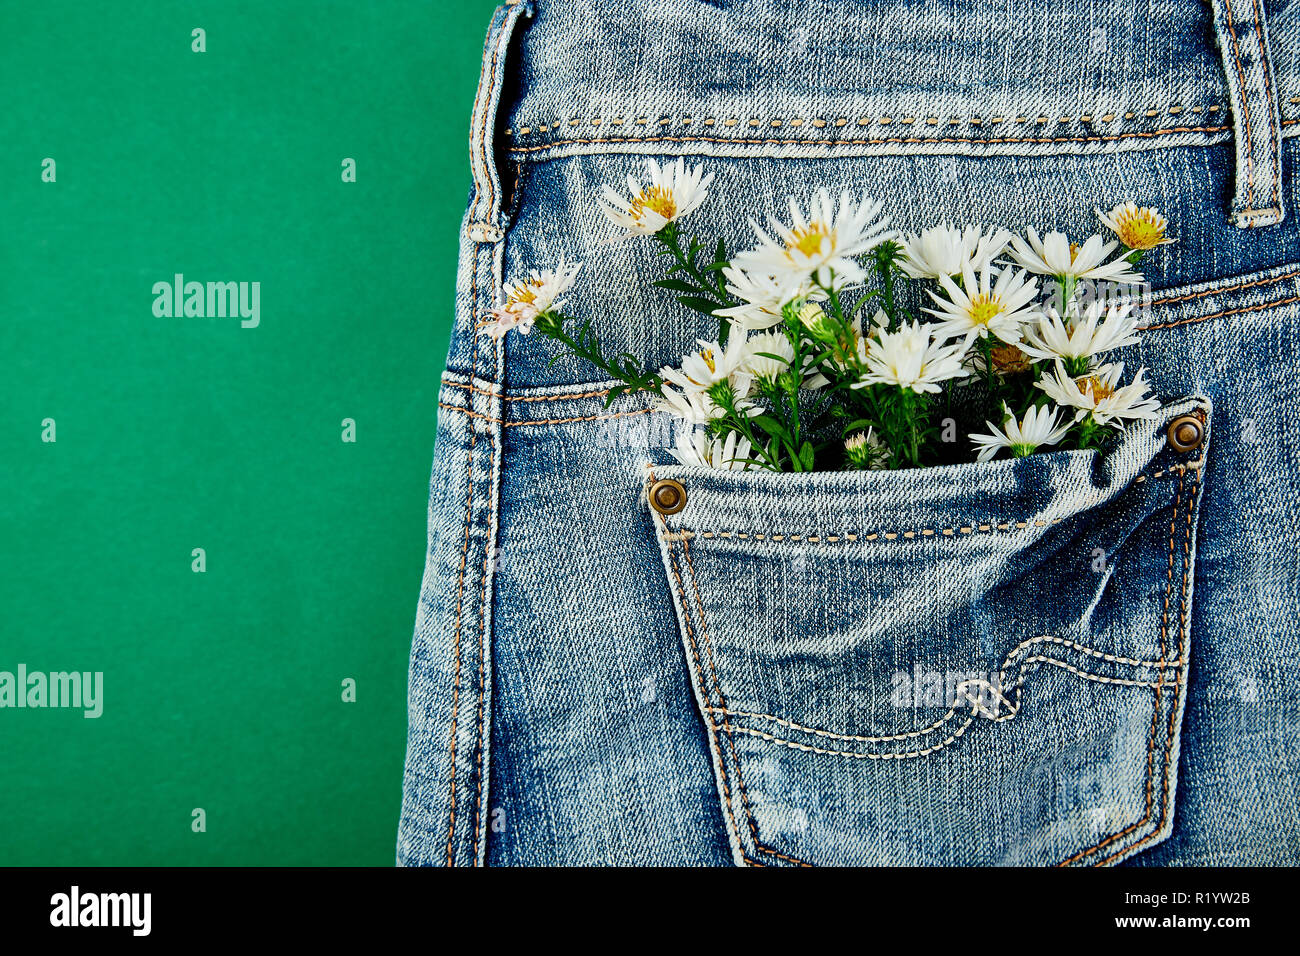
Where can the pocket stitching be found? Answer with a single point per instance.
(1178, 687)
(740, 778)
(685, 534)
(713, 732)
(1177, 664)
(1155, 713)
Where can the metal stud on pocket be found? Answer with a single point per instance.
(1186, 433)
(667, 496)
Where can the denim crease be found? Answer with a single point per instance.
(1077, 658)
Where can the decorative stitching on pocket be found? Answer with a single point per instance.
(1155, 712)
(1024, 667)
(722, 762)
(990, 527)
(910, 140)
(1041, 639)
(740, 778)
(1178, 690)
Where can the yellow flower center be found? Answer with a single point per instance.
(808, 241)
(707, 355)
(1009, 360)
(1074, 252)
(1140, 229)
(524, 293)
(655, 198)
(984, 308)
(1095, 387)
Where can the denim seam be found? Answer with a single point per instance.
(842, 121)
(685, 534)
(877, 141)
(1193, 320)
(713, 733)
(1155, 716)
(713, 670)
(1174, 706)
(541, 421)
(460, 579)
(1219, 290)
(1245, 109)
(483, 73)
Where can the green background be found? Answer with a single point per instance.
(222, 690)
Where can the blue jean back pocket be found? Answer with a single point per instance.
(969, 665)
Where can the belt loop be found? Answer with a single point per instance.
(1243, 43)
(485, 213)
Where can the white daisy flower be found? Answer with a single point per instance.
(982, 306)
(1077, 338)
(529, 298)
(1099, 394)
(690, 406)
(912, 358)
(822, 244)
(1038, 427)
(1055, 255)
(764, 367)
(761, 348)
(946, 250)
(1138, 227)
(712, 364)
(672, 193)
(762, 297)
(729, 454)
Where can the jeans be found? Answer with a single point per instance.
(1075, 658)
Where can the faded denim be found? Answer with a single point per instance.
(1076, 658)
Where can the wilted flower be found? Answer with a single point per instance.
(531, 297)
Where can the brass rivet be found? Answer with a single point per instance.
(1186, 433)
(667, 496)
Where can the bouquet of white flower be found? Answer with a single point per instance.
(818, 363)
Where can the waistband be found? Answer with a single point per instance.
(862, 77)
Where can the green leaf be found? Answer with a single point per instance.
(698, 303)
(677, 285)
(806, 456)
(772, 427)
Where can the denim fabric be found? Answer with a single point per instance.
(1080, 658)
